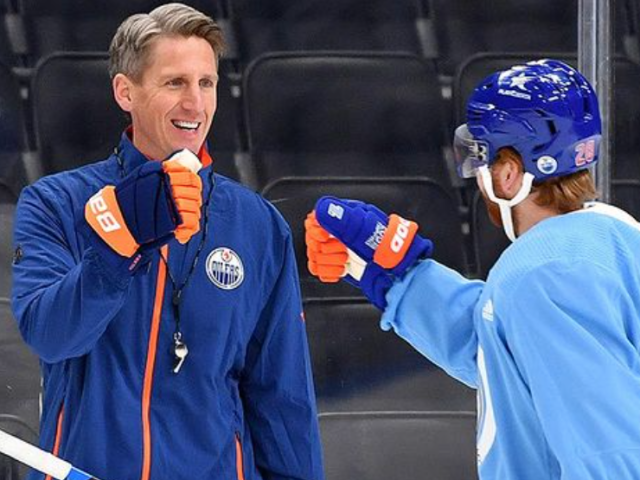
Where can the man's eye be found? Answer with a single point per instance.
(176, 82)
(207, 83)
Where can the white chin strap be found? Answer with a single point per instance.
(505, 205)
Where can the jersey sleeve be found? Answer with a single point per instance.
(277, 384)
(62, 298)
(432, 308)
(574, 333)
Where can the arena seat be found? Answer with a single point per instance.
(626, 195)
(464, 28)
(7, 213)
(394, 445)
(278, 25)
(78, 121)
(488, 240)
(6, 53)
(418, 198)
(11, 469)
(343, 114)
(359, 367)
(19, 373)
(12, 133)
(77, 25)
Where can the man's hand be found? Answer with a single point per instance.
(154, 203)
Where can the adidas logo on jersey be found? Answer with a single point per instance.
(487, 311)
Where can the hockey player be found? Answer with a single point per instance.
(552, 339)
(163, 300)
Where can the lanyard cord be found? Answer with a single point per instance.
(176, 295)
(180, 349)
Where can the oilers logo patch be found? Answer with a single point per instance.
(224, 268)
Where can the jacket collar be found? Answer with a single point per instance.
(132, 158)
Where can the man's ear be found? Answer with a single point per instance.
(121, 85)
(507, 176)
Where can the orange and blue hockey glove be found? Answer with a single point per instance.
(151, 205)
(379, 248)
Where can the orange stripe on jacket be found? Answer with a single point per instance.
(58, 438)
(149, 368)
(395, 241)
(239, 459)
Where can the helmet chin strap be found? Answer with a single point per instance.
(505, 205)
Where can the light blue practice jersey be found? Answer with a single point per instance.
(551, 341)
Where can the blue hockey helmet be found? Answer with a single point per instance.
(546, 110)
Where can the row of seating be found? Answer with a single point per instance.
(301, 114)
(443, 31)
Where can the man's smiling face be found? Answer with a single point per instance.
(173, 103)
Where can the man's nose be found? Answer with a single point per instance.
(193, 99)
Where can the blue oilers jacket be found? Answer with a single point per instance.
(551, 341)
(242, 405)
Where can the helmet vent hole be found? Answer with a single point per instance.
(552, 127)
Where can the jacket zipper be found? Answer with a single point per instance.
(149, 368)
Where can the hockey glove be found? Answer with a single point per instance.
(145, 209)
(378, 247)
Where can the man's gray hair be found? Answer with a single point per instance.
(130, 47)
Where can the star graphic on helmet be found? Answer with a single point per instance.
(519, 81)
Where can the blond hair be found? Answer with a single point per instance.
(130, 47)
(563, 194)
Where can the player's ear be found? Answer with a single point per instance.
(122, 91)
(508, 174)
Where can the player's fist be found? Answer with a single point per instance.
(327, 256)
(181, 170)
(388, 241)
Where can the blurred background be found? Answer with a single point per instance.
(355, 98)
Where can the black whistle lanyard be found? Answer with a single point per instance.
(180, 350)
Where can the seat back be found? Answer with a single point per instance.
(467, 27)
(359, 367)
(12, 134)
(275, 25)
(77, 25)
(389, 445)
(7, 213)
(344, 114)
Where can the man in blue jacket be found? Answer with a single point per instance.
(552, 339)
(162, 298)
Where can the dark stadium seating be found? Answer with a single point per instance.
(626, 111)
(467, 27)
(6, 52)
(78, 121)
(78, 25)
(418, 198)
(399, 445)
(11, 469)
(344, 114)
(626, 195)
(281, 25)
(7, 212)
(12, 136)
(489, 241)
(359, 367)
(19, 373)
